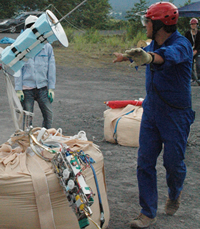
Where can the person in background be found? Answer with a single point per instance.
(167, 113)
(36, 81)
(193, 35)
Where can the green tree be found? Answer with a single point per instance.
(92, 14)
(133, 17)
(7, 8)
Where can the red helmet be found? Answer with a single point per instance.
(193, 21)
(163, 11)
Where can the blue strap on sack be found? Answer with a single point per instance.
(115, 130)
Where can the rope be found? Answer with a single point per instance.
(14, 103)
(94, 222)
(16, 108)
(51, 5)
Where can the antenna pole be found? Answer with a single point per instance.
(71, 11)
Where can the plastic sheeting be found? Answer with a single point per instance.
(191, 10)
(7, 40)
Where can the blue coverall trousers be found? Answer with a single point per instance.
(162, 126)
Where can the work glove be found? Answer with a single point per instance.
(51, 95)
(20, 95)
(139, 56)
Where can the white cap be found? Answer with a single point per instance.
(30, 19)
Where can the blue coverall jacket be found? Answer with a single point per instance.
(166, 120)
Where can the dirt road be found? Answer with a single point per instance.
(83, 84)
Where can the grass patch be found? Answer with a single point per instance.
(91, 46)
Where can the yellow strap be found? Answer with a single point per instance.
(42, 196)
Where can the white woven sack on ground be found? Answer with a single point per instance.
(122, 125)
(31, 196)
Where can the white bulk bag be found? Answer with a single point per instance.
(122, 125)
(31, 196)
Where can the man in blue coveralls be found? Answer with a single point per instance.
(167, 112)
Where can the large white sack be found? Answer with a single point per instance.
(122, 125)
(31, 196)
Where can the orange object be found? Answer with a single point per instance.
(123, 103)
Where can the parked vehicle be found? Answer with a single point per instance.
(16, 23)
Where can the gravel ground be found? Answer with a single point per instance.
(83, 84)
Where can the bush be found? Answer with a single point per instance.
(85, 41)
(139, 36)
(70, 34)
(115, 24)
(93, 36)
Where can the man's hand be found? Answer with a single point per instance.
(194, 52)
(119, 57)
(20, 95)
(139, 56)
(51, 95)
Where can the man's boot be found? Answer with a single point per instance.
(172, 206)
(142, 221)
